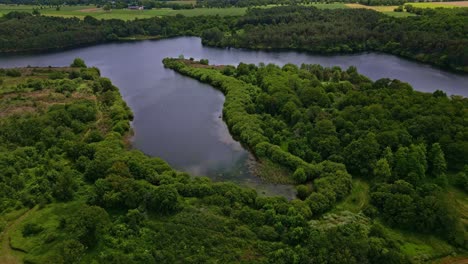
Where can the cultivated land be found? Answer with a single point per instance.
(125, 14)
(388, 10)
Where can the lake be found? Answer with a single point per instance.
(178, 118)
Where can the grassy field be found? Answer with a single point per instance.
(125, 14)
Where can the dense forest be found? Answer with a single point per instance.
(321, 123)
(80, 196)
(438, 37)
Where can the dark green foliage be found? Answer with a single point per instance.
(423, 209)
(72, 251)
(382, 131)
(461, 179)
(13, 73)
(300, 176)
(20, 31)
(88, 225)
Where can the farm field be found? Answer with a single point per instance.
(125, 14)
(441, 4)
(388, 10)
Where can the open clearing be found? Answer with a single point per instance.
(8, 255)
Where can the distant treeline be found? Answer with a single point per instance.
(20, 31)
(438, 37)
(245, 3)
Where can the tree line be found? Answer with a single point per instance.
(438, 37)
(20, 31)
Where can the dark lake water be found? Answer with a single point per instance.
(177, 118)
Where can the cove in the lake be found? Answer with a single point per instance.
(178, 119)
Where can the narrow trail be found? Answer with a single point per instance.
(6, 252)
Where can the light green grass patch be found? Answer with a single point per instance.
(460, 202)
(49, 219)
(399, 14)
(328, 6)
(418, 246)
(357, 200)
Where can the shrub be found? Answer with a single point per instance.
(13, 73)
(300, 176)
(56, 75)
(31, 229)
(78, 63)
(302, 191)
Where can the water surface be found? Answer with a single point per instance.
(177, 118)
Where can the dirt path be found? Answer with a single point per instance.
(6, 252)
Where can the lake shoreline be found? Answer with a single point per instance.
(140, 38)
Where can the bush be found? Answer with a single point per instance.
(31, 229)
(204, 61)
(13, 73)
(89, 74)
(300, 176)
(56, 75)
(74, 75)
(302, 191)
(78, 63)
